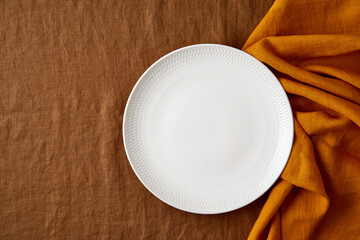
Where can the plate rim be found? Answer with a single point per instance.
(281, 88)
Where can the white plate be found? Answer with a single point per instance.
(208, 129)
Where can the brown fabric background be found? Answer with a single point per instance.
(66, 70)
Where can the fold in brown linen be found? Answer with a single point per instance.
(66, 70)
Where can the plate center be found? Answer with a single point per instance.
(203, 129)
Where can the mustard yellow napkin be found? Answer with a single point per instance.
(313, 46)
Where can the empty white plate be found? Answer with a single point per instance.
(208, 129)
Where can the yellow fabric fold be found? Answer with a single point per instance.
(313, 47)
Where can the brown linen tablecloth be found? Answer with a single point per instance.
(66, 70)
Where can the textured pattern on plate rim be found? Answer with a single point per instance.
(230, 194)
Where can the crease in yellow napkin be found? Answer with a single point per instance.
(313, 47)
